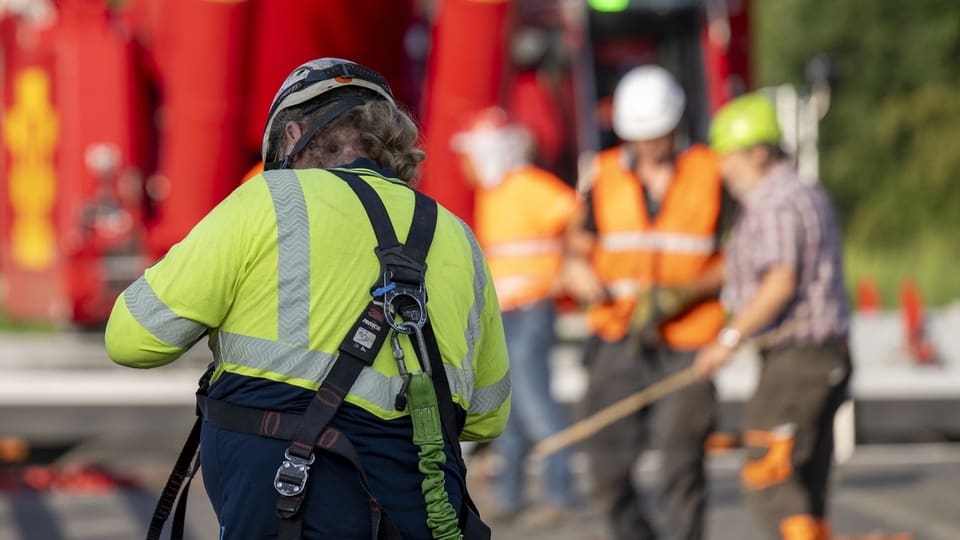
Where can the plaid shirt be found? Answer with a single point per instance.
(787, 222)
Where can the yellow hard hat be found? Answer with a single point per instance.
(746, 121)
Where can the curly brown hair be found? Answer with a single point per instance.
(378, 130)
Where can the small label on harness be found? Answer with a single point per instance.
(364, 339)
(367, 335)
(371, 325)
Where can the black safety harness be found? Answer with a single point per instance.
(399, 292)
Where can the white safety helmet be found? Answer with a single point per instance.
(495, 143)
(648, 103)
(313, 79)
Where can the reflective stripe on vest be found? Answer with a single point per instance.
(157, 318)
(658, 241)
(525, 248)
(519, 277)
(509, 287)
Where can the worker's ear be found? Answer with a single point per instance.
(760, 155)
(292, 133)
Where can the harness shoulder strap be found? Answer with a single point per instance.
(421, 228)
(373, 205)
(419, 240)
(358, 349)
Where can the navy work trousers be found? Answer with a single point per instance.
(238, 471)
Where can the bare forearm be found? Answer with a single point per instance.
(709, 283)
(777, 287)
(578, 241)
(577, 275)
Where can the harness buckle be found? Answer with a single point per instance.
(403, 289)
(411, 311)
(291, 477)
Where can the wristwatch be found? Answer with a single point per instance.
(729, 337)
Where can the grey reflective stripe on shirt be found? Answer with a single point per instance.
(266, 355)
(293, 261)
(472, 332)
(489, 398)
(295, 362)
(157, 318)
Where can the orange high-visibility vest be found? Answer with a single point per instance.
(633, 253)
(520, 225)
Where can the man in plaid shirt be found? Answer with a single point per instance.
(784, 281)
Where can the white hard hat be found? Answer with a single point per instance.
(495, 143)
(647, 104)
(315, 78)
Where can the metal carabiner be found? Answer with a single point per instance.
(416, 329)
(398, 353)
(400, 400)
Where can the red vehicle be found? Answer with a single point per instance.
(125, 122)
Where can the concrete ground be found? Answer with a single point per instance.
(883, 489)
(61, 389)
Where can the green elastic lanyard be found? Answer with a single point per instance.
(428, 436)
(420, 398)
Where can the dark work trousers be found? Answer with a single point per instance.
(678, 426)
(238, 471)
(788, 432)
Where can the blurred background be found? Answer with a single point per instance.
(125, 121)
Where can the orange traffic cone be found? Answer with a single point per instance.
(911, 305)
(13, 450)
(868, 295)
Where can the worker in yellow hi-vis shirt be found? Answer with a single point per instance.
(354, 326)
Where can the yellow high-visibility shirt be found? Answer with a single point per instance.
(278, 273)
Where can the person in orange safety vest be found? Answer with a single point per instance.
(521, 214)
(644, 253)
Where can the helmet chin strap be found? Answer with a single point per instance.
(335, 108)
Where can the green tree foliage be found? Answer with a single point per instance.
(890, 145)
